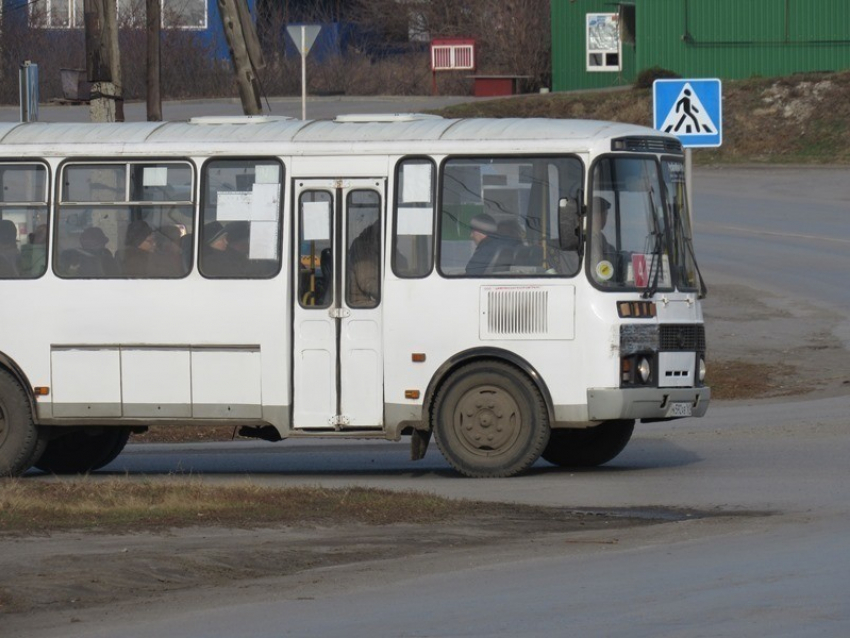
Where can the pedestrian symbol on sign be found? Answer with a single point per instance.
(688, 116)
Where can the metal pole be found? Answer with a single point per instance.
(303, 72)
(28, 88)
(689, 172)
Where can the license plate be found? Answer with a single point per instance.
(679, 409)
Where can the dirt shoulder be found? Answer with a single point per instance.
(66, 577)
(761, 346)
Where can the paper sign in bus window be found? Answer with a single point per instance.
(233, 206)
(267, 174)
(642, 271)
(265, 202)
(263, 240)
(316, 221)
(416, 184)
(155, 176)
(414, 221)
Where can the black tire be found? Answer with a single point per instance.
(19, 436)
(588, 447)
(81, 451)
(490, 420)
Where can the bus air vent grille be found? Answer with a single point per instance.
(516, 311)
(682, 338)
(647, 145)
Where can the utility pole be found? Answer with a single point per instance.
(154, 26)
(239, 32)
(103, 66)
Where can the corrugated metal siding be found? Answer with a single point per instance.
(729, 39)
(569, 48)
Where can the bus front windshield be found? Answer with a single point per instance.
(638, 230)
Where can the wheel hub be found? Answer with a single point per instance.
(487, 419)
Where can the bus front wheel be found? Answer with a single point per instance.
(19, 436)
(588, 447)
(80, 451)
(490, 420)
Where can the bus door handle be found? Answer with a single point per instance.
(339, 313)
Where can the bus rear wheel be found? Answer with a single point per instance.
(82, 451)
(588, 447)
(19, 436)
(490, 420)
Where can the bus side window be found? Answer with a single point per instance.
(240, 236)
(23, 221)
(104, 230)
(413, 241)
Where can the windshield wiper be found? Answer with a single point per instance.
(655, 265)
(689, 245)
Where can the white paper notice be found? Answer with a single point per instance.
(265, 202)
(416, 187)
(155, 176)
(233, 206)
(415, 221)
(316, 221)
(263, 240)
(269, 174)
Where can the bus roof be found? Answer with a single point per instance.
(345, 129)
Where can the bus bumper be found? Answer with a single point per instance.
(605, 404)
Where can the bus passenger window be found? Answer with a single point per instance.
(23, 221)
(104, 230)
(413, 242)
(240, 236)
(500, 216)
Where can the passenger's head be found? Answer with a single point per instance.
(93, 238)
(8, 233)
(140, 235)
(172, 236)
(39, 235)
(214, 236)
(238, 236)
(482, 226)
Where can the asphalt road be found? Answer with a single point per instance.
(766, 552)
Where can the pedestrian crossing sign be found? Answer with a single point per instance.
(689, 109)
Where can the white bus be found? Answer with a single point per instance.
(516, 288)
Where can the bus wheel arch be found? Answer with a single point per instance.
(588, 447)
(489, 418)
(20, 439)
(83, 450)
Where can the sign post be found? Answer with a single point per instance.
(303, 35)
(692, 110)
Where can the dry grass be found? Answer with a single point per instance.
(118, 505)
(801, 119)
(730, 380)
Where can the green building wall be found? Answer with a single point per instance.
(729, 39)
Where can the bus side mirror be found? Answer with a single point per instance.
(569, 224)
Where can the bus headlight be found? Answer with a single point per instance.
(644, 370)
(701, 370)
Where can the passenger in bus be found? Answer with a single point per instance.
(34, 254)
(364, 276)
(10, 256)
(601, 248)
(98, 260)
(226, 252)
(493, 253)
(139, 245)
(169, 251)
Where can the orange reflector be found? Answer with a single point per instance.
(41, 391)
(418, 357)
(411, 394)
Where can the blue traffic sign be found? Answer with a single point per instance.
(692, 110)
